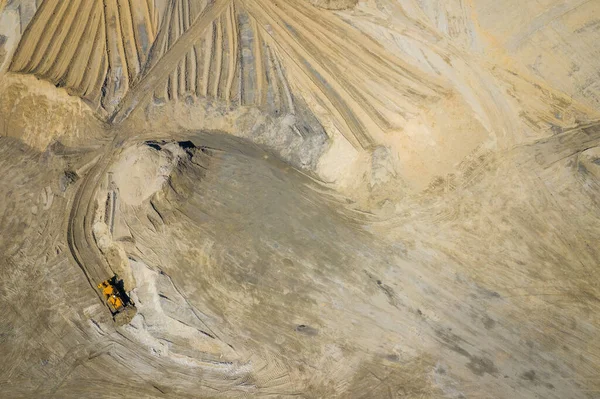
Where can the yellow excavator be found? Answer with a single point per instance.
(114, 295)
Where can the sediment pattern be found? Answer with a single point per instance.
(300, 198)
(240, 53)
(233, 62)
(95, 49)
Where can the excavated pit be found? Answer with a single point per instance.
(312, 198)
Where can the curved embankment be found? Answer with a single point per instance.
(80, 238)
(240, 258)
(253, 279)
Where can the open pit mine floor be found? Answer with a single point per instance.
(300, 199)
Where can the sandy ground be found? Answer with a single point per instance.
(319, 199)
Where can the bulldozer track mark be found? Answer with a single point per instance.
(343, 70)
(219, 65)
(207, 60)
(240, 53)
(79, 232)
(68, 43)
(219, 57)
(169, 50)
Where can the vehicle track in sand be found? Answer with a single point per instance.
(235, 52)
(95, 49)
(80, 239)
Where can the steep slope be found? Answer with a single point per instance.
(96, 49)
